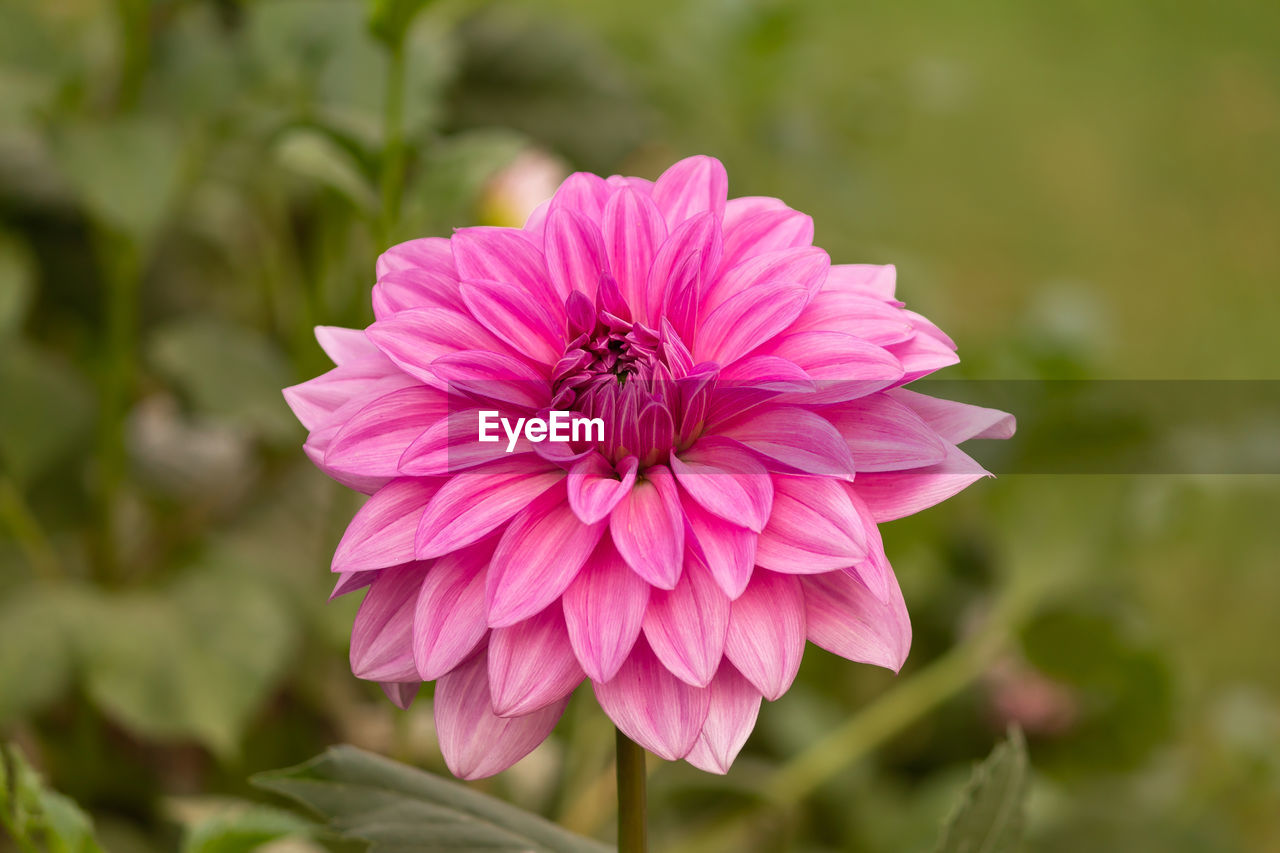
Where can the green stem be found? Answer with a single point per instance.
(631, 797)
(25, 528)
(135, 47)
(393, 165)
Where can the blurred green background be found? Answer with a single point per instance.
(1072, 189)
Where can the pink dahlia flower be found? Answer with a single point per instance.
(751, 432)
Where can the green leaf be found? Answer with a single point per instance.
(242, 830)
(989, 817)
(47, 408)
(316, 155)
(35, 649)
(17, 275)
(42, 818)
(401, 809)
(389, 20)
(228, 371)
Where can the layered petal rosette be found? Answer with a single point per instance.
(745, 429)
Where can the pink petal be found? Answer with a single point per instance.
(381, 533)
(763, 231)
(531, 664)
(537, 558)
(728, 550)
(695, 243)
(843, 617)
(475, 502)
(344, 345)
(691, 186)
(341, 392)
(404, 290)
(797, 439)
(633, 230)
(747, 320)
(513, 316)
(843, 367)
(648, 528)
(921, 356)
(804, 267)
(957, 422)
(451, 445)
(373, 440)
(414, 339)
(734, 706)
(427, 253)
(584, 193)
(575, 253)
(507, 255)
(767, 632)
(686, 626)
(475, 741)
(727, 481)
(381, 648)
(865, 317)
(401, 693)
(653, 707)
(493, 376)
(874, 572)
(449, 615)
(866, 279)
(814, 528)
(884, 435)
(895, 494)
(352, 581)
(767, 372)
(603, 610)
(595, 488)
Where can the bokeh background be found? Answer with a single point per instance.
(1073, 189)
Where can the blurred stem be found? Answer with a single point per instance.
(393, 142)
(25, 527)
(631, 796)
(121, 263)
(135, 47)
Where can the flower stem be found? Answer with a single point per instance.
(631, 797)
(393, 141)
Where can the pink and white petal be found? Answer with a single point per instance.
(841, 366)
(596, 487)
(414, 339)
(475, 502)
(603, 609)
(804, 267)
(747, 320)
(452, 444)
(763, 231)
(689, 256)
(648, 528)
(575, 253)
(815, 527)
(686, 626)
(352, 581)
(764, 372)
(874, 572)
(401, 693)
(767, 632)
(792, 439)
(727, 480)
(531, 664)
(922, 355)
(691, 186)
(583, 193)
(494, 376)
(373, 440)
(405, 290)
(843, 617)
(885, 435)
(537, 558)
(336, 395)
(633, 230)
(344, 345)
(653, 707)
(729, 551)
(895, 494)
(475, 741)
(957, 422)
(433, 254)
(381, 636)
(508, 255)
(871, 280)
(734, 707)
(382, 531)
(515, 317)
(850, 313)
(449, 618)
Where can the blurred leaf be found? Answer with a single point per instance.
(389, 20)
(315, 155)
(126, 171)
(17, 279)
(398, 808)
(228, 371)
(47, 408)
(195, 662)
(242, 830)
(41, 818)
(35, 650)
(989, 817)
